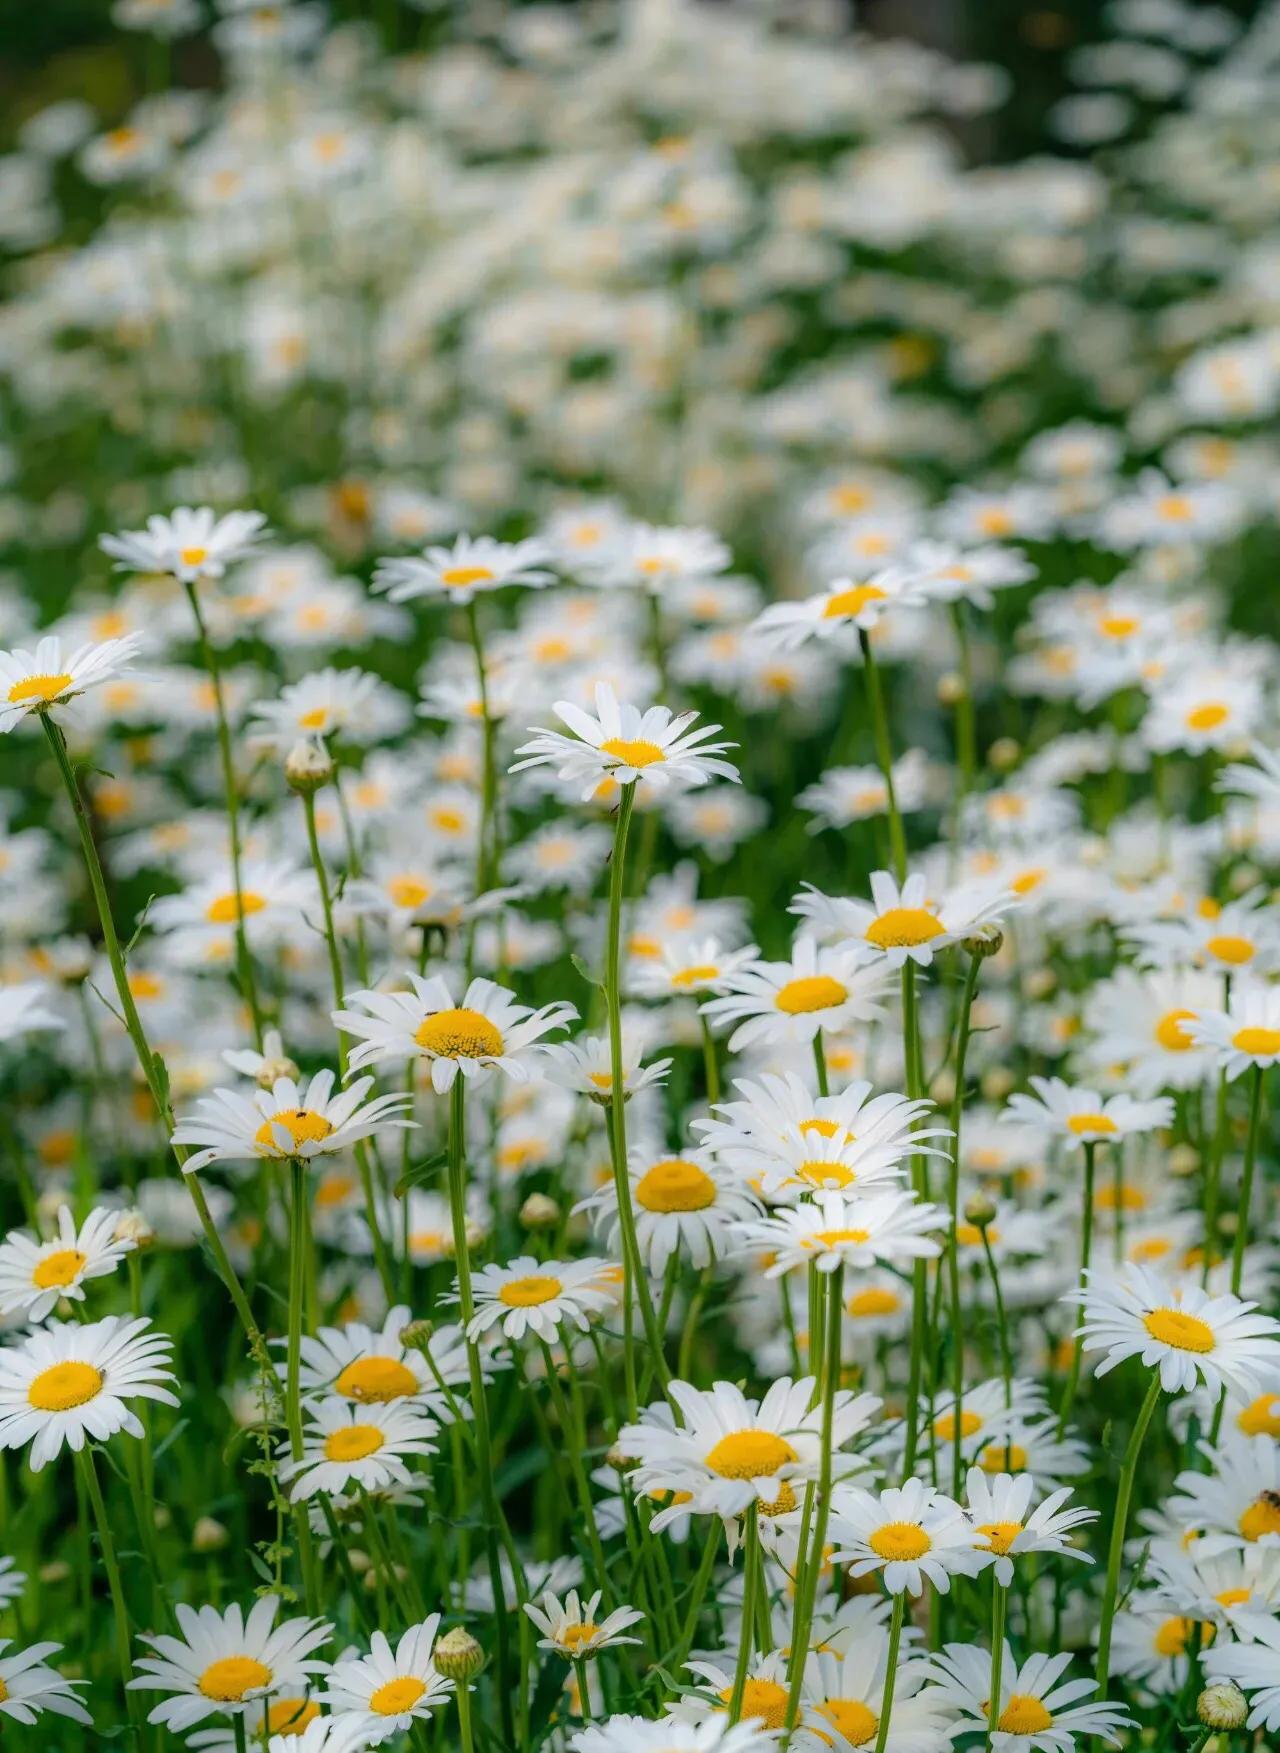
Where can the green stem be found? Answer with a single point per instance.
(807, 1590)
(487, 850)
(1086, 1246)
(293, 1388)
(711, 1063)
(1002, 1331)
(462, 1692)
(953, 1204)
(999, 1607)
(1118, 1528)
(1246, 1184)
(891, 1671)
(111, 1564)
(919, 1272)
(751, 1574)
(884, 754)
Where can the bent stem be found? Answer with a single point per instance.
(1118, 1527)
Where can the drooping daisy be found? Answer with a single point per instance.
(538, 1296)
(1255, 1669)
(833, 1230)
(487, 1032)
(901, 922)
(999, 1506)
(1246, 1033)
(293, 1120)
(844, 1693)
(796, 1000)
(49, 676)
(35, 1275)
(911, 1534)
(1039, 1711)
(1179, 1329)
(387, 1691)
(348, 1447)
(655, 748)
(189, 544)
(28, 1686)
(688, 966)
(731, 1449)
(846, 607)
(683, 1203)
(473, 564)
(220, 1661)
(571, 1629)
(69, 1384)
(1082, 1116)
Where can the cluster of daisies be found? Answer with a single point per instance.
(639, 971)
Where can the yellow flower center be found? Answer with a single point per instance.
(1261, 1417)
(1184, 1332)
(227, 1681)
(1233, 1597)
(288, 1717)
(38, 688)
(1024, 1715)
(899, 1541)
(1232, 950)
(459, 577)
(576, 1637)
(1258, 1041)
(818, 1173)
(352, 1442)
(394, 1697)
(1003, 1458)
(750, 1454)
(809, 993)
(1262, 1516)
(944, 1425)
(970, 1236)
(833, 1238)
(64, 1385)
(1209, 716)
(379, 1379)
(57, 1269)
(407, 891)
(224, 911)
(851, 602)
(765, 1699)
(1170, 1032)
(903, 928)
(301, 1124)
(782, 1505)
(527, 1293)
(873, 1301)
(316, 719)
(995, 521)
(632, 751)
(851, 1719)
(1171, 1637)
(1118, 626)
(458, 1034)
(1124, 1198)
(676, 1185)
(698, 975)
(193, 556)
(1175, 507)
(1082, 1123)
(1000, 1535)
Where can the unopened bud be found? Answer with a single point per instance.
(1222, 1706)
(983, 941)
(1183, 1159)
(997, 1083)
(56, 1571)
(980, 1210)
(950, 689)
(618, 1459)
(457, 1655)
(539, 1212)
(132, 1226)
(1040, 982)
(208, 1535)
(271, 1070)
(307, 767)
(1004, 754)
(416, 1335)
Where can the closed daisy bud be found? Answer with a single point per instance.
(132, 1226)
(997, 1083)
(458, 1656)
(416, 1335)
(1223, 1706)
(980, 1210)
(208, 1535)
(539, 1212)
(1004, 753)
(987, 940)
(950, 689)
(307, 767)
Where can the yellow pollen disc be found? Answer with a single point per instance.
(57, 1269)
(763, 1699)
(449, 821)
(193, 556)
(145, 985)
(1024, 1715)
(809, 993)
(1003, 1458)
(833, 1238)
(527, 1293)
(1081, 1123)
(1118, 626)
(576, 1637)
(851, 1719)
(849, 499)
(970, 1236)
(289, 1717)
(31, 688)
(698, 975)
(1232, 950)
(995, 521)
(676, 1185)
(823, 1128)
(1233, 1597)
(1261, 1417)
(379, 1379)
(1262, 1516)
(224, 911)
(407, 891)
(458, 1034)
(459, 577)
(899, 1541)
(227, 1681)
(1184, 1332)
(874, 1301)
(944, 1425)
(750, 1454)
(353, 1442)
(301, 1124)
(1127, 1199)
(903, 928)
(333, 1192)
(782, 1505)
(1000, 1535)
(1209, 716)
(1170, 1032)
(1171, 1638)
(1175, 507)
(632, 751)
(851, 602)
(316, 719)
(822, 1174)
(1029, 880)
(396, 1696)
(63, 1386)
(1259, 1041)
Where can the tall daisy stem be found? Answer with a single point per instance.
(487, 848)
(808, 1588)
(752, 1571)
(1086, 1248)
(1246, 1184)
(891, 1671)
(919, 1271)
(298, 1248)
(1119, 1525)
(999, 1605)
(111, 1564)
(884, 753)
(953, 1206)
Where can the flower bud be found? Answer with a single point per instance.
(272, 1069)
(1222, 1706)
(980, 1210)
(132, 1226)
(1183, 1159)
(56, 1571)
(1004, 753)
(416, 1335)
(950, 689)
(539, 1212)
(457, 1655)
(984, 941)
(997, 1083)
(208, 1535)
(307, 767)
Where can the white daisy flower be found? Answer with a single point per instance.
(1179, 1329)
(1081, 1115)
(652, 557)
(844, 1692)
(49, 676)
(1142, 1021)
(472, 565)
(1245, 1033)
(23, 1010)
(832, 1230)
(948, 573)
(1039, 1711)
(636, 1734)
(387, 1691)
(352, 705)
(369, 1365)
(901, 922)
(537, 1296)
(655, 748)
(1237, 1591)
(586, 1066)
(69, 1384)
(28, 1686)
(1237, 1502)
(275, 898)
(291, 1120)
(571, 1629)
(911, 1534)
(190, 544)
(999, 1507)
(363, 1447)
(12, 1582)
(294, 1724)
(688, 965)
(1255, 1669)
(1031, 1446)
(221, 1661)
(847, 606)
(845, 795)
(764, 1696)
(35, 1275)
(1150, 1645)
(795, 1001)
(1242, 933)
(685, 1204)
